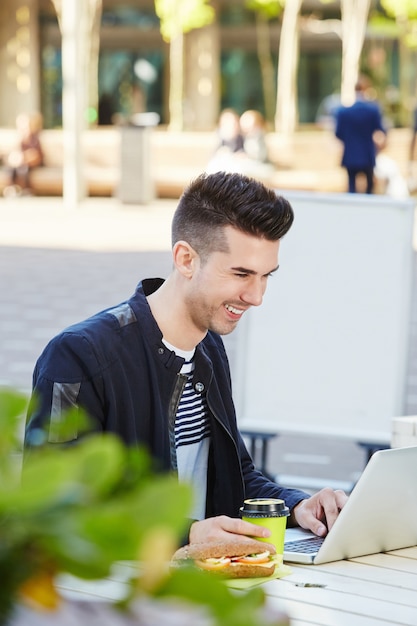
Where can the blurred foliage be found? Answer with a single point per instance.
(406, 9)
(270, 9)
(182, 16)
(204, 589)
(80, 509)
(77, 509)
(401, 22)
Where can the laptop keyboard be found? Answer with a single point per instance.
(305, 546)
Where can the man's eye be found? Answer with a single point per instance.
(240, 275)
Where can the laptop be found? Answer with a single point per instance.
(380, 515)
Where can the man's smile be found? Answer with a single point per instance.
(234, 310)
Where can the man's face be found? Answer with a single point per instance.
(229, 283)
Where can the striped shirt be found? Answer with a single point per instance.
(192, 436)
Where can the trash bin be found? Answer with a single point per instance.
(136, 177)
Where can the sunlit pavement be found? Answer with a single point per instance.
(58, 265)
(95, 224)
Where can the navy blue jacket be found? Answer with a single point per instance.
(355, 126)
(115, 366)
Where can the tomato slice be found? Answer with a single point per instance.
(213, 564)
(261, 557)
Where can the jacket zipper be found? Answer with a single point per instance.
(172, 414)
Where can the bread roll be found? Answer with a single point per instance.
(232, 559)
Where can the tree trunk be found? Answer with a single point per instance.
(354, 21)
(95, 11)
(176, 83)
(286, 110)
(266, 65)
(72, 19)
(91, 47)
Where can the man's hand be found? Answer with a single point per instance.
(319, 512)
(223, 528)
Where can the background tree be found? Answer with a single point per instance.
(355, 15)
(404, 14)
(281, 107)
(79, 23)
(90, 54)
(286, 109)
(266, 10)
(178, 17)
(351, 28)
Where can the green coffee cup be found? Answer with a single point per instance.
(270, 513)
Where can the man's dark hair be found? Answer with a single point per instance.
(214, 201)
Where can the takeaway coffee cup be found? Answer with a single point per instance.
(271, 513)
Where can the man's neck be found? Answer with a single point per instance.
(170, 314)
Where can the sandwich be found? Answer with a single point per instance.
(231, 559)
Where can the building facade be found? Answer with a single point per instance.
(221, 63)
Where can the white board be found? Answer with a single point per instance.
(326, 353)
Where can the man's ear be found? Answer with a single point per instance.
(185, 258)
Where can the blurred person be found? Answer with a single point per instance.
(257, 162)
(387, 171)
(229, 150)
(356, 126)
(327, 110)
(229, 131)
(27, 155)
(252, 124)
(106, 109)
(153, 369)
(242, 145)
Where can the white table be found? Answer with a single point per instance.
(378, 589)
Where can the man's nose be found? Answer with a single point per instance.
(254, 292)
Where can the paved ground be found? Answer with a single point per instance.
(59, 265)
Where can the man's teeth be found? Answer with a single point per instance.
(233, 310)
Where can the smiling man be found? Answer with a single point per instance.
(154, 370)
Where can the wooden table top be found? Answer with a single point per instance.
(365, 591)
(379, 589)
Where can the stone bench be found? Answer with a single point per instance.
(307, 161)
(176, 159)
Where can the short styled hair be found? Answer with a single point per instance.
(213, 201)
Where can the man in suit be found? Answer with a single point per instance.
(355, 127)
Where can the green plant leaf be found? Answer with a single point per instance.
(205, 589)
(12, 408)
(79, 509)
